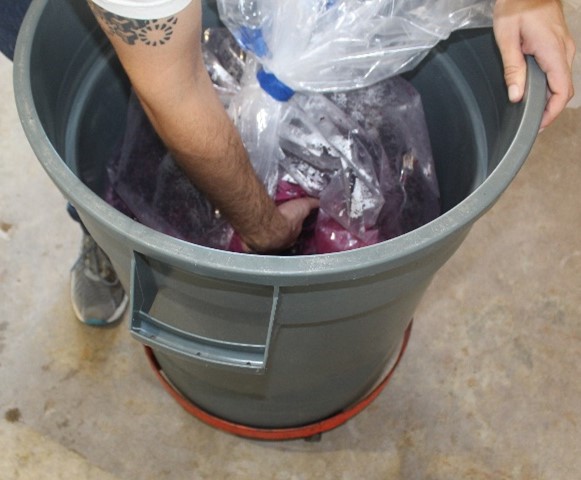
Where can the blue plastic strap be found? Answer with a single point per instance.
(252, 40)
(273, 86)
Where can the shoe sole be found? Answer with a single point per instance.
(98, 322)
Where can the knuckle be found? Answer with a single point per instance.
(511, 71)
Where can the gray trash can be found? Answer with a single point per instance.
(269, 341)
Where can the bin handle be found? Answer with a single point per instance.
(250, 358)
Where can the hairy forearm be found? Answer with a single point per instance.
(204, 141)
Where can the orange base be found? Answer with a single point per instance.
(308, 431)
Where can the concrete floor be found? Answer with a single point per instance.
(488, 389)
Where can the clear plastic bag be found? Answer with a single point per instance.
(337, 45)
(316, 135)
(389, 117)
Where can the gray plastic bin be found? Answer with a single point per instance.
(269, 341)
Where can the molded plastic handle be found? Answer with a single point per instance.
(160, 336)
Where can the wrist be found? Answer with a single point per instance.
(270, 234)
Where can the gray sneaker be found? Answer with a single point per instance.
(97, 295)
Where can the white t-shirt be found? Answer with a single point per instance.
(143, 9)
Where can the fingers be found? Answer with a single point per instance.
(515, 66)
(557, 64)
(560, 92)
(299, 208)
(284, 234)
(296, 211)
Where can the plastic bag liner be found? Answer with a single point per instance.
(338, 45)
(362, 146)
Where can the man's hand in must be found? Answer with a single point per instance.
(283, 229)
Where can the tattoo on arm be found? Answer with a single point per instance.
(131, 31)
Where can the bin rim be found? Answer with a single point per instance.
(274, 269)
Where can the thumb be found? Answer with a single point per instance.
(297, 210)
(513, 60)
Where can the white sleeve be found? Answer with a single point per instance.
(143, 9)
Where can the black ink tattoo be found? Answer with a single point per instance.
(131, 31)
